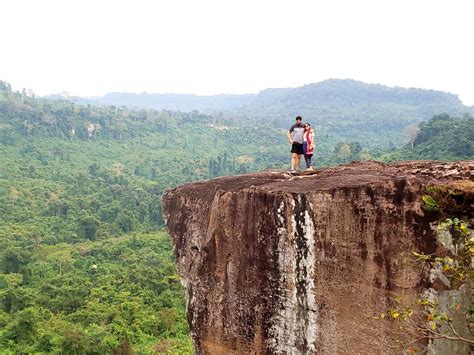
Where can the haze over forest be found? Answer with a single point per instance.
(316, 96)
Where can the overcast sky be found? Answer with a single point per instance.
(208, 47)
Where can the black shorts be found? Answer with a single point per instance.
(297, 148)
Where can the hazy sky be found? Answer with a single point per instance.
(208, 47)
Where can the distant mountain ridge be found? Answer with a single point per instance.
(332, 96)
(177, 102)
(346, 109)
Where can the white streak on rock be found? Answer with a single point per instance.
(282, 332)
(309, 263)
(288, 328)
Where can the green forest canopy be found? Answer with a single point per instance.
(441, 138)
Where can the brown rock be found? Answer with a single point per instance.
(273, 263)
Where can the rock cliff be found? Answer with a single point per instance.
(273, 263)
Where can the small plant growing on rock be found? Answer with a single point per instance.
(444, 311)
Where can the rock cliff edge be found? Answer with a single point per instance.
(273, 263)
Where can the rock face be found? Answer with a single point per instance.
(275, 264)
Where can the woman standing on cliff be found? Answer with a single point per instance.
(308, 145)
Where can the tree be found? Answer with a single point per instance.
(345, 152)
(88, 226)
(14, 195)
(62, 256)
(5, 87)
(28, 128)
(411, 132)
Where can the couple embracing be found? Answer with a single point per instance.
(302, 143)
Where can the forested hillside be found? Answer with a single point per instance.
(441, 138)
(84, 265)
(349, 110)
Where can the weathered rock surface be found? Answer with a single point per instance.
(287, 265)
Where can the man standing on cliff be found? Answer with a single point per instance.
(296, 144)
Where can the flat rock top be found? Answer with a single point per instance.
(346, 175)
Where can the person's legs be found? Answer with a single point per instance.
(305, 146)
(298, 162)
(301, 152)
(293, 160)
(307, 160)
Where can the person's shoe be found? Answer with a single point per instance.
(290, 171)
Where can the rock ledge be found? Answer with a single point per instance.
(273, 263)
